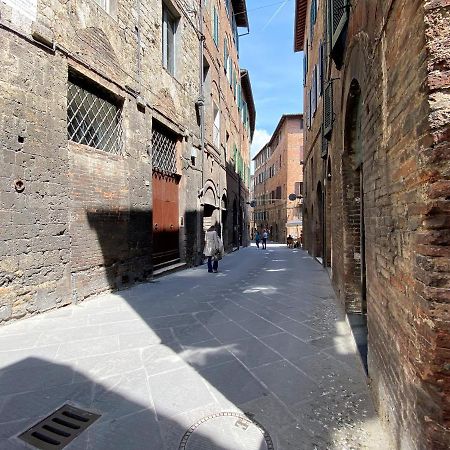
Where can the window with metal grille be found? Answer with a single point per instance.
(164, 150)
(93, 119)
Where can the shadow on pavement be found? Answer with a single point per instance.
(192, 344)
(33, 388)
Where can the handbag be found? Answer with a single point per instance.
(217, 255)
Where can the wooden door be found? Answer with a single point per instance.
(165, 220)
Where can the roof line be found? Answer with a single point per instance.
(277, 129)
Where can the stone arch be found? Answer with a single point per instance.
(353, 204)
(209, 202)
(224, 217)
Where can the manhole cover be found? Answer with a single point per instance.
(226, 431)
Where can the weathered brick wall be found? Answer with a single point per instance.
(397, 53)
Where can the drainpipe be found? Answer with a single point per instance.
(201, 106)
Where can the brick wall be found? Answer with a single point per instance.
(396, 55)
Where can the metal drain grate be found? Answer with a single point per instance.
(60, 428)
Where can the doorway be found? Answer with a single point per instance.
(354, 227)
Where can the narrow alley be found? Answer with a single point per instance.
(256, 357)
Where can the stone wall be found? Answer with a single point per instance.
(81, 221)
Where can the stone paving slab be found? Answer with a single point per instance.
(263, 337)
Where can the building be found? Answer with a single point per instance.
(376, 205)
(278, 173)
(124, 127)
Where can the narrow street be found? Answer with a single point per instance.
(262, 337)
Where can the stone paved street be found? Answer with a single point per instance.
(263, 336)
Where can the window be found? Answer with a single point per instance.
(93, 118)
(215, 18)
(328, 110)
(278, 193)
(169, 29)
(314, 92)
(104, 4)
(321, 70)
(216, 128)
(225, 56)
(228, 7)
(298, 188)
(164, 144)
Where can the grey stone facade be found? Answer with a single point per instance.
(77, 220)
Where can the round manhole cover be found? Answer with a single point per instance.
(226, 431)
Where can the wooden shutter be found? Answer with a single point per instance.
(321, 71)
(339, 17)
(324, 152)
(328, 109)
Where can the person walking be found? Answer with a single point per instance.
(257, 238)
(264, 239)
(213, 249)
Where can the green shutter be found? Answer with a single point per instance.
(339, 17)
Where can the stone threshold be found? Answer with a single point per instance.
(169, 269)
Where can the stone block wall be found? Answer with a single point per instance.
(81, 221)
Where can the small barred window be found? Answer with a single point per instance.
(92, 119)
(164, 151)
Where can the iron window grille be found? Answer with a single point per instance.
(164, 152)
(94, 121)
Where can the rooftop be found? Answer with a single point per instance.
(284, 117)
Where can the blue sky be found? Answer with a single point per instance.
(275, 70)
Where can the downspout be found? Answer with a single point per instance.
(201, 106)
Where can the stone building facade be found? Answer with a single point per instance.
(376, 207)
(106, 159)
(278, 173)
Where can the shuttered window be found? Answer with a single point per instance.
(314, 92)
(328, 109)
(338, 19)
(321, 71)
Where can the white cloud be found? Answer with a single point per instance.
(260, 139)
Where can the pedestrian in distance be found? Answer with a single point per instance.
(265, 236)
(290, 241)
(213, 249)
(257, 238)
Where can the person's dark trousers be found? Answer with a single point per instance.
(257, 244)
(212, 265)
(264, 246)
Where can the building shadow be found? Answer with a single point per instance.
(127, 419)
(209, 360)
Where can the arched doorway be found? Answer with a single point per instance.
(318, 232)
(328, 225)
(209, 207)
(235, 224)
(353, 201)
(224, 217)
